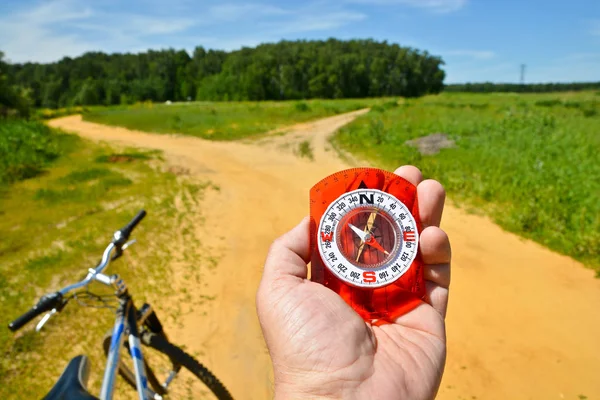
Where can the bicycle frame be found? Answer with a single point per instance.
(125, 322)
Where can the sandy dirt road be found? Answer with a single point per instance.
(523, 322)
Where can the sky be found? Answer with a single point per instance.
(479, 40)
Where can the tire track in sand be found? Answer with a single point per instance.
(523, 322)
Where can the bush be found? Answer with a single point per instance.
(548, 103)
(26, 147)
(302, 107)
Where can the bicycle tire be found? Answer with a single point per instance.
(175, 353)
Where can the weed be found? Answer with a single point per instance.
(84, 175)
(28, 147)
(305, 150)
(377, 108)
(377, 130)
(127, 156)
(388, 105)
(590, 112)
(548, 103)
(302, 106)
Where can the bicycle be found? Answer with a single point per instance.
(141, 326)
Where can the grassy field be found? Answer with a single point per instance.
(54, 227)
(528, 161)
(222, 121)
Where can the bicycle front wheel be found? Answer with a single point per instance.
(179, 358)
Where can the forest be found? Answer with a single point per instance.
(277, 71)
(287, 70)
(489, 87)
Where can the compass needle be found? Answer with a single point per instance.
(371, 221)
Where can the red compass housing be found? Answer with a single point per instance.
(364, 237)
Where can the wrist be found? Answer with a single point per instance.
(306, 386)
(289, 393)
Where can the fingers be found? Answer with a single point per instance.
(436, 254)
(431, 197)
(410, 173)
(430, 193)
(437, 296)
(290, 253)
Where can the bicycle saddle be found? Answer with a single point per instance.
(72, 384)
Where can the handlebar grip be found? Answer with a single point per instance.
(127, 229)
(46, 303)
(24, 319)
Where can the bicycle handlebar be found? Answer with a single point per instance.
(56, 300)
(123, 234)
(46, 303)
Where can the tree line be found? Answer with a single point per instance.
(489, 87)
(275, 71)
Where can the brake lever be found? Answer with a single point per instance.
(45, 319)
(119, 250)
(126, 245)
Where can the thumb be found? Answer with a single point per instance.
(289, 254)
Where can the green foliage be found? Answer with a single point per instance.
(305, 150)
(85, 175)
(302, 106)
(127, 156)
(278, 71)
(488, 87)
(84, 193)
(222, 121)
(14, 100)
(532, 167)
(27, 147)
(548, 103)
(377, 131)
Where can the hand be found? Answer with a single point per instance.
(321, 348)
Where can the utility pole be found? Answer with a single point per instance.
(523, 67)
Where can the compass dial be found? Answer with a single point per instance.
(368, 238)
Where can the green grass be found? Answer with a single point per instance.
(222, 121)
(27, 148)
(528, 161)
(55, 226)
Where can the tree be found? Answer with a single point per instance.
(274, 71)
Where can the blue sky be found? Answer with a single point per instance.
(480, 40)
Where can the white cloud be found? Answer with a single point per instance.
(47, 30)
(28, 35)
(56, 11)
(147, 26)
(233, 12)
(476, 54)
(437, 6)
(322, 21)
(53, 29)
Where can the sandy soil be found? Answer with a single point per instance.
(523, 321)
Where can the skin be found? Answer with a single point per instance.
(322, 349)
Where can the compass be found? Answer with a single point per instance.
(367, 238)
(364, 235)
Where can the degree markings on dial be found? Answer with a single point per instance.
(390, 269)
